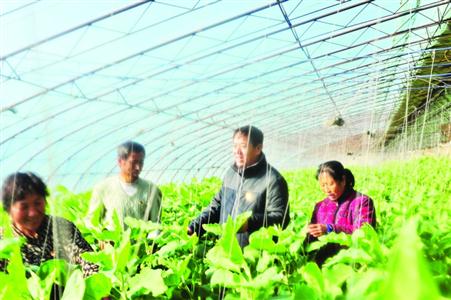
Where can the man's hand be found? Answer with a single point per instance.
(317, 229)
(189, 231)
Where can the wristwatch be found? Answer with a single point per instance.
(330, 228)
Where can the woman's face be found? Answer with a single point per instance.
(332, 188)
(27, 214)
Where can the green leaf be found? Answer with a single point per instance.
(337, 274)
(315, 245)
(225, 278)
(295, 247)
(40, 285)
(365, 285)
(147, 281)
(303, 291)
(350, 256)
(122, 253)
(104, 258)
(265, 279)
(408, 268)
(96, 216)
(56, 268)
(251, 254)
(168, 248)
(220, 259)
(313, 276)
(75, 286)
(9, 245)
(264, 261)
(16, 271)
(34, 286)
(231, 296)
(334, 278)
(11, 290)
(144, 226)
(241, 219)
(337, 238)
(366, 239)
(262, 240)
(182, 266)
(227, 252)
(213, 228)
(97, 286)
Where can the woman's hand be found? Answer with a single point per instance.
(317, 229)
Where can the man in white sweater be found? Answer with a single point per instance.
(127, 193)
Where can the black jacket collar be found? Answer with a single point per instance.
(255, 169)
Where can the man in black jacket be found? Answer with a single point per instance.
(251, 184)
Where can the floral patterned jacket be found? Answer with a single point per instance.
(56, 238)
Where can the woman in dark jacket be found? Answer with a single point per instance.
(46, 237)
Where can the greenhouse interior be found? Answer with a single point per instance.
(362, 82)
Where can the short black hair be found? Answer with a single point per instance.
(18, 185)
(336, 170)
(126, 148)
(254, 134)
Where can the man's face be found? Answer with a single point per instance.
(132, 166)
(244, 152)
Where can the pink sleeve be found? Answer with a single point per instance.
(314, 218)
(362, 211)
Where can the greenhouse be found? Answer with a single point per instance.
(362, 82)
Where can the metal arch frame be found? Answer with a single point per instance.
(219, 146)
(135, 55)
(383, 94)
(240, 44)
(287, 97)
(319, 109)
(405, 135)
(339, 50)
(366, 24)
(19, 8)
(289, 66)
(307, 54)
(85, 24)
(108, 151)
(204, 158)
(417, 112)
(377, 106)
(115, 39)
(188, 150)
(133, 121)
(152, 167)
(58, 140)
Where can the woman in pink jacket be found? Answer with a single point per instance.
(343, 210)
